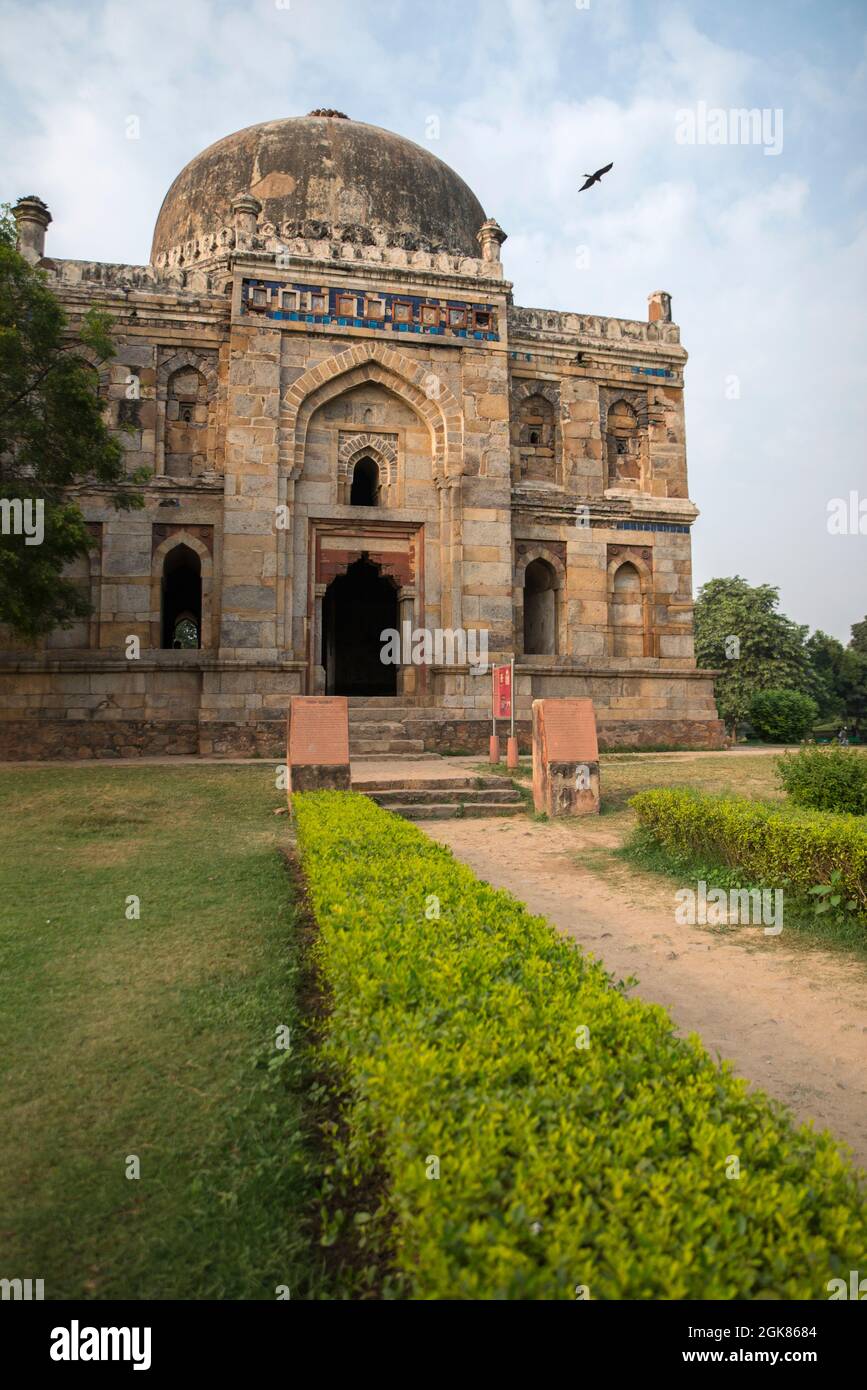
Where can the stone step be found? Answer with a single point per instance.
(359, 702)
(387, 784)
(387, 757)
(371, 746)
(378, 715)
(409, 795)
(448, 811)
(375, 728)
(380, 726)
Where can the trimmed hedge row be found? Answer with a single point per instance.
(456, 1041)
(775, 846)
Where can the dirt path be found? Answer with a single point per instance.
(792, 1020)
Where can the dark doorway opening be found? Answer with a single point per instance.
(181, 598)
(358, 606)
(365, 484)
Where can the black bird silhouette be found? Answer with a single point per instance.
(594, 178)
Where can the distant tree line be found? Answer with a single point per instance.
(764, 657)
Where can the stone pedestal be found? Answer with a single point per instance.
(565, 758)
(318, 744)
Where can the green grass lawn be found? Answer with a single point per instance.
(734, 774)
(153, 1037)
(624, 774)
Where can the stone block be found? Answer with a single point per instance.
(565, 757)
(249, 598)
(318, 743)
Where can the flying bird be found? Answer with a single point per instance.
(595, 178)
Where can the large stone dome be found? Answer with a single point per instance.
(323, 168)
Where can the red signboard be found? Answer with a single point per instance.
(502, 692)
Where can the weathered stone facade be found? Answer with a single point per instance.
(350, 423)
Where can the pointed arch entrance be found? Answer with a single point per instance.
(358, 605)
(181, 618)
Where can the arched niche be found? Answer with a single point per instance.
(629, 608)
(181, 588)
(538, 598)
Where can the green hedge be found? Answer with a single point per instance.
(777, 847)
(826, 779)
(605, 1166)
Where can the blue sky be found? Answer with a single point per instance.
(765, 255)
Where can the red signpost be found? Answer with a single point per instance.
(503, 707)
(502, 692)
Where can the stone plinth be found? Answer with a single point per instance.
(565, 758)
(318, 743)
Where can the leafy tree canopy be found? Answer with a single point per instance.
(825, 656)
(852, 688)
(52, 437)
(739, 630)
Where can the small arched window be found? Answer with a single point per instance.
(536, 422)
(181, 598)
(186, 631)
(186, 423)
(365, 484)
(534, 433)
(624, 446)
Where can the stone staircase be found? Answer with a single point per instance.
(378, 733)
(443, 798)
(376, 728)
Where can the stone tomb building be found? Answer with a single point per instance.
(351, 426)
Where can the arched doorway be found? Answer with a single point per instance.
(358, 606)
(181, 598)
(540, 609)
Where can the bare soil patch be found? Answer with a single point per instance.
(793, 1021)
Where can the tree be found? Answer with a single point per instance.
(52, 436)
(840, 674)
(825, 656)
(739, 630)
(852, 688)
(782, 716)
